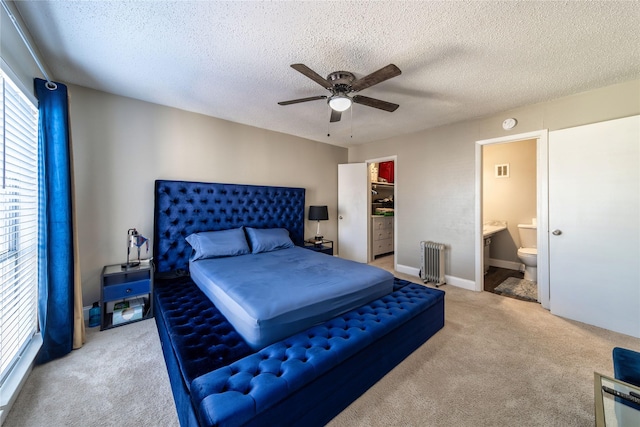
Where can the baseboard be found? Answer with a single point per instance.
(518, 266)
(469, 285)
(405, 269)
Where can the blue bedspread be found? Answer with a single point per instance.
(272, 295)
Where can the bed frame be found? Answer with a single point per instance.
(305, 379)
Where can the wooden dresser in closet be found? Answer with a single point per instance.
(382, 235)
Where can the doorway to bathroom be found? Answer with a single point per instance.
(508, 203)
(511, 186)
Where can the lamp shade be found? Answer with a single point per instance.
(318, 213)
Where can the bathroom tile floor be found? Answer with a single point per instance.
(497, 275)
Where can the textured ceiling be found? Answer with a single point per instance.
(231, 60)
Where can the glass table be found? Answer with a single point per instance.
(617, 403)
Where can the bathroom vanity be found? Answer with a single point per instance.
(489, 229)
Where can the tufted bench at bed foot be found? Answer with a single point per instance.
(280, 383)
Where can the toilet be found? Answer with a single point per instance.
(528, 252)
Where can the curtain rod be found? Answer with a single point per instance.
(50, 84)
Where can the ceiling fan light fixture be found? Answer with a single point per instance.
(342, 83)
(340, 102)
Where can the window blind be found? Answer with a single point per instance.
(18, 224)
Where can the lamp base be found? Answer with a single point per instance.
(130, 265)
(318, 239)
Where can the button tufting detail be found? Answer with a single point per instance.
(183, 208)
(219, 361)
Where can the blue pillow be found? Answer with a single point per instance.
(268, 239)
(216, 244)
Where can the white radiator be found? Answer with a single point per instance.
(432, 262)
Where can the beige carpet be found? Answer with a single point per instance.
(498, 361)
(117, 379)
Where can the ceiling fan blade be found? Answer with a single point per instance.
(375, 103)
(295, 101)
(312, 75)
(376, 77)
(335, 116)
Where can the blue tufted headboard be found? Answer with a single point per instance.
(183, 207)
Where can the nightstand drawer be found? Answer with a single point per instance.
(120, 283)
(125, 290)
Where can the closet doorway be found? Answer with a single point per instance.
(382, 211)
(356, 211)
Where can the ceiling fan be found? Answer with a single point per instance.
(343, 83)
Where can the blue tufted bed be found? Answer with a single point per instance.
(306, 378)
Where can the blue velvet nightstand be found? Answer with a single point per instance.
(120, 284)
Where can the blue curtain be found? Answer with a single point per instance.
(55, 243)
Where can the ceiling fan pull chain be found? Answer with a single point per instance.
(352, 122)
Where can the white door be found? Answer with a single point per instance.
(594, 224)
(352, 211)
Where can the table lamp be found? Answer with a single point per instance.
(318, 213)
(134, 240)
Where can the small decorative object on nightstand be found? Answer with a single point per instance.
(126, 295)
(325, 246)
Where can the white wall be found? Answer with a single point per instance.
(121, 146)
(435, 170)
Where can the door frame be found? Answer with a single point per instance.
(393, 158)
(542, 207)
